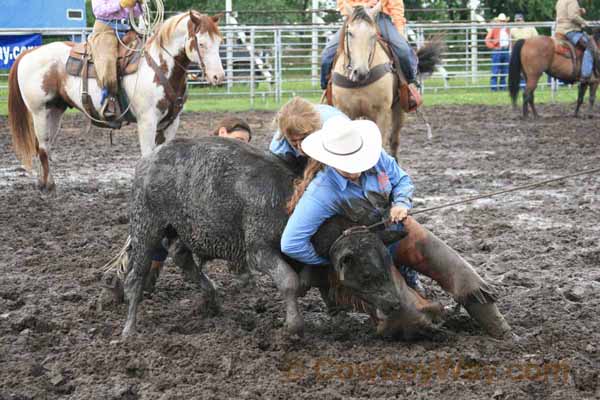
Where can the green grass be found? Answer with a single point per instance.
(217, 99)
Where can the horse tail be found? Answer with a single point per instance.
(19, 118)
(514, 71)
(430, 55)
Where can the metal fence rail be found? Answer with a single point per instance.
(273, 62)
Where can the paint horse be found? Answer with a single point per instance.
(365, 60)
(40, 89)
(557, 57)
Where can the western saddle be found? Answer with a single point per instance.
(81, 64)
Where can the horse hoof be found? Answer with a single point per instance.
(46, 187)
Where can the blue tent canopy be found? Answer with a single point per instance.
(42, 14)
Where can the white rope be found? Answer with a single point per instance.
(148, 24)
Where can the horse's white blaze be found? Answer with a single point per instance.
(362, 39)
(210, 53)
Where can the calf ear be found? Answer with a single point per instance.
(389, 237)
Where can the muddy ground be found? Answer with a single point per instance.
(539, 246)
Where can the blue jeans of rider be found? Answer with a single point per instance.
(499, 69)
(588, 61)
(406, 55)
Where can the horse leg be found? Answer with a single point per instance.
(286, 280)
(383, 121)
(171, 130)
(593, 88)
(147, 132)
(398, 118)
(580, 96)
(532, 103)
(46, 123)
(530, 87)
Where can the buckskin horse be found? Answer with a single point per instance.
(540, 54)
(364, 83)
(42, 86)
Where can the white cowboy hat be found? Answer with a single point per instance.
(502, 18)
(350, 146)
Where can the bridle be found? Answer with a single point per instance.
(192, 32)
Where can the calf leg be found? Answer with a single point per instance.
(192, 270)
(145, 238)
(286, 280)
(427, 254)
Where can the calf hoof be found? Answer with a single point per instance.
(208, 305)
(128, 331)
(295, 326)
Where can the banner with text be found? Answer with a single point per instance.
(13, 45)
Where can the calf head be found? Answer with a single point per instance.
(364, 276)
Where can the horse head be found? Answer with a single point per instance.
(359, 36)
(202, 45)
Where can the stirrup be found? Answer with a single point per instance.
(110, 110)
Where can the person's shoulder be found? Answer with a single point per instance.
(321, 187)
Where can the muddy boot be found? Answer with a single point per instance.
(424, 252)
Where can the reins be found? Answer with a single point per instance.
(488, 195)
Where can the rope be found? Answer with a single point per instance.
(488, 195)
(148, 24)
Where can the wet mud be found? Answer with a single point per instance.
(59, 338)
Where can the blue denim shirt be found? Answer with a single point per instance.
(326, 194)
(281, 147)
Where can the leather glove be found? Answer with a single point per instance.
(127, 3)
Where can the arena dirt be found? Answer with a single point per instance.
(59, 339)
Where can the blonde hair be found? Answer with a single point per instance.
(297, 117)
(300, 185)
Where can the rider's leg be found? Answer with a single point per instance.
(327, 58)
(104, 51)
(400, 46)
(587, 65)
(430, 256)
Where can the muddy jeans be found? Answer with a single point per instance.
(406, 55)
(105, 47)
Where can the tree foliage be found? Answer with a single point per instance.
(293, 11)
